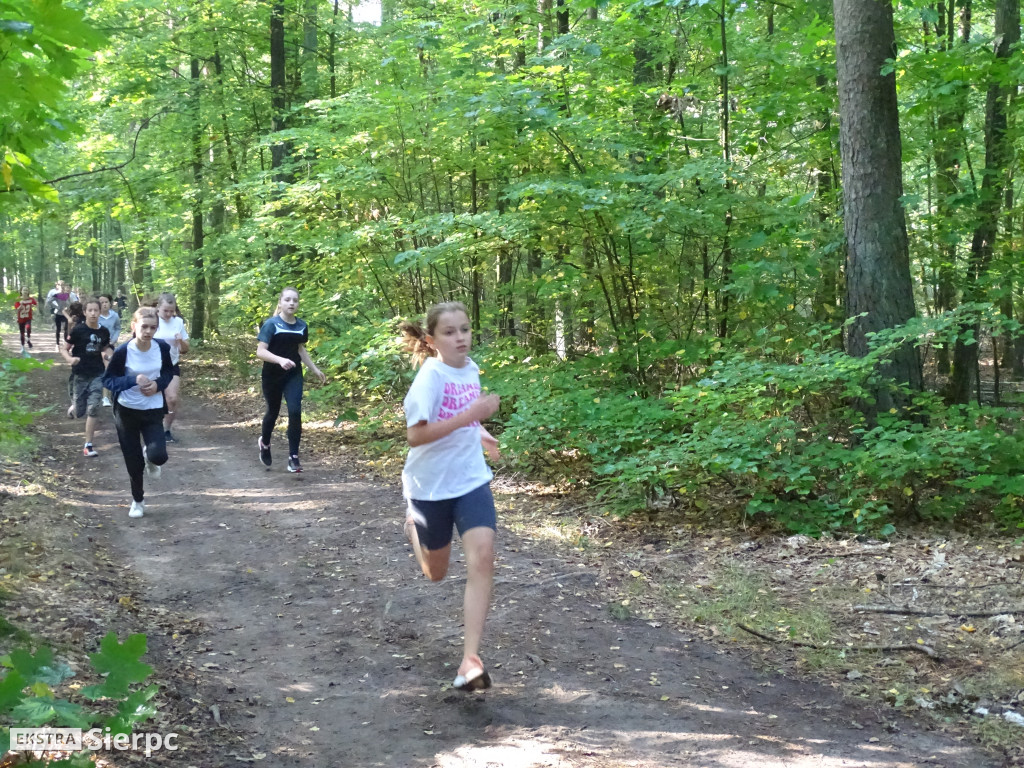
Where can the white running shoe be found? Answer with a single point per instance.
(107, 403)
(137, 509)
(153, 470)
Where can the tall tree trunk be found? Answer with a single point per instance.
(477, 189)
(332, 50)
(997, 160)
(1013, 342)
(140, 257)
(120, 265)
(949, 125)
(308, 54)
(723, 309)
(229, 146)
(198, 267)
(827, 304)
(94, 265)
(878, 284)
(213, 266)
(543, 25)
(279, 151)
(41, 264)
(826, 294)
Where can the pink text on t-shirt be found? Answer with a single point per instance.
(457, 398)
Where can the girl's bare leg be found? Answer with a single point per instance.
(171, 396)
(478, 544)
(433, 562)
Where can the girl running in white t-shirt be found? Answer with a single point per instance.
(172, 330)
(138, 374)
(446, 480)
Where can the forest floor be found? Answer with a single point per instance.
(288, 623)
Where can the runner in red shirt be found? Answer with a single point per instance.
(23, 311)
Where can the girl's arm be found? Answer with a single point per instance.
(490, 443)
(182, 340)
(115, 378)
(424, 432)
(166, 367)
(305, 358)
(264, 354)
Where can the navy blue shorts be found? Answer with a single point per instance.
(434, 519)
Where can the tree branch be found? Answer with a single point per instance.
(135, 143)
(926, 650)
(904, 611)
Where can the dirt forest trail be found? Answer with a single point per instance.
(308, 626)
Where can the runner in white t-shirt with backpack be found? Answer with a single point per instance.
(172, 330)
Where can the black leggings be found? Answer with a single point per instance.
(289, 386)
(61, 324)
(25, 327)
(135, 428)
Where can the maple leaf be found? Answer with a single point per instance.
(135, 709)
(120, 662)
(35, 712)
(31, 666)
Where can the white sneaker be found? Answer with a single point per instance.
(107, 403)
(153, 470)
(137, 509)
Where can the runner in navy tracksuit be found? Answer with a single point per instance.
(282, 348)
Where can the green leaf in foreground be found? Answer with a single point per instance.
(120, 662)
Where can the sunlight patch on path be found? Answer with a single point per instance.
(517, 754)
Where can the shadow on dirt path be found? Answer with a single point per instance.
(311, 631)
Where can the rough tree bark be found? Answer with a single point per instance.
(878, 283)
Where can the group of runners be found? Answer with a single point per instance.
(446, 481)
(87, 330)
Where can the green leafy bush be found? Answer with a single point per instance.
(28, 698)
(776, 425)
(15, 415)
(783, 436)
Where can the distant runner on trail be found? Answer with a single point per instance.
(85, 348)
(74, 315)
(172, 330)
(446, 480)
(23, 311)
(110, 320)
(281, 345)
(56, 302)
(137, 375)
